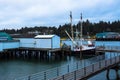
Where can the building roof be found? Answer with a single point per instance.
(5, 36)
(44, 36)
(101, 34)
(106, 33)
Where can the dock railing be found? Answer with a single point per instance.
(103, 47)
(89, 70)
(74, 70)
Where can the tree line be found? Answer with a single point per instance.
(89, 28)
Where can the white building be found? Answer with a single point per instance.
(47, 41)
(41, 41)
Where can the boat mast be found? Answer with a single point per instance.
(81, 30)
(71, 25)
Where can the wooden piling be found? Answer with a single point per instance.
(116, 68)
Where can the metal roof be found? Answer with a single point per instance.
(44, 36)
(106, 33)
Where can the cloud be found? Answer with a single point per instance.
(54, 12)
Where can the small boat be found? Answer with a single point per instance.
(77, 44)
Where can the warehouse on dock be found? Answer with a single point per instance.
(108, 36)
(41, 41)
(7, 42)
(47, 41)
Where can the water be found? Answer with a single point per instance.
(11, 69)
(102, 76)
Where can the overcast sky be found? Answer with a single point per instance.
(20, 13)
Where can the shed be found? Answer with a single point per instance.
(47, 41)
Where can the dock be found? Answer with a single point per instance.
(38, 53)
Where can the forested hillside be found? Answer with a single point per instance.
(88, 28)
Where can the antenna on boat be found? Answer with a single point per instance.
(71, 25)
(81, 29)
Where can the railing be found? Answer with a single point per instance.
(88, 70)
(102, 47)
(73, 70)
(112, 47)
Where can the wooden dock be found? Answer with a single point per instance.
(44, 53)
(38, 53)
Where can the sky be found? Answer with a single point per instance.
(15, 14)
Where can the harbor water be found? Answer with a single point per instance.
(11, 69)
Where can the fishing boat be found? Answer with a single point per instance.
(78, 45)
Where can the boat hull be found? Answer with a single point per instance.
(85, 52)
